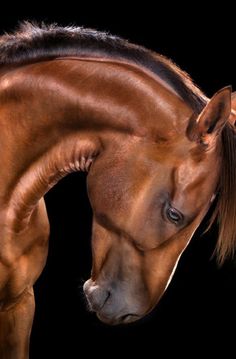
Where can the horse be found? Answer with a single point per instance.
(158, 153)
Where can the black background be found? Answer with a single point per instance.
(196, 313)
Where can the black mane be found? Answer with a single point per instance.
(36, 43)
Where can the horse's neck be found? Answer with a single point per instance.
(55, 118)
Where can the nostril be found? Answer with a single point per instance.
(96, 295)
(108, 296)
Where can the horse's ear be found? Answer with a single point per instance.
(233, 99)
(212, 119)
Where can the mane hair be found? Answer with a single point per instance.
(225, 211)
(33, 43)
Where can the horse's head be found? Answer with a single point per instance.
(148, 199)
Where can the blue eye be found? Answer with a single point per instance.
(174, 216)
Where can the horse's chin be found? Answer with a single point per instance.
(123, 319)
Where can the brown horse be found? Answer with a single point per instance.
(156, 150)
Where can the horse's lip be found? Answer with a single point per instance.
(115, 320)
(129, 318)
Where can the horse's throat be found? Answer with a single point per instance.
(74, 153)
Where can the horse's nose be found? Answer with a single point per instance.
(95, 295)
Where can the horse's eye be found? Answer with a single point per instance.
(174, 216)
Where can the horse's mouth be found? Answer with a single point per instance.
(129, 318)
(123, 319)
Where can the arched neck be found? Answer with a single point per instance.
(57, 116)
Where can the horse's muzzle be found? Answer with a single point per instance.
(107, 305)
